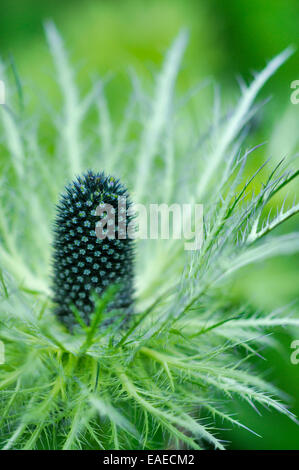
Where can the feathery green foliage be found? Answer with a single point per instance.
(162, 381)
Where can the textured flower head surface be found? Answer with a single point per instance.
(85, 263)
(85, 378)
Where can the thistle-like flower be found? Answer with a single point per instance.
(185, 364)
(91, 248)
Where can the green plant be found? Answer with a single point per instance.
(188, 349)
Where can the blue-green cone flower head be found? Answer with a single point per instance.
(92, 249)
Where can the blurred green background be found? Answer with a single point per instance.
(227, 39)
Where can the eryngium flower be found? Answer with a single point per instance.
(84, 262)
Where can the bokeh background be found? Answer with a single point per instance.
(109, 38)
